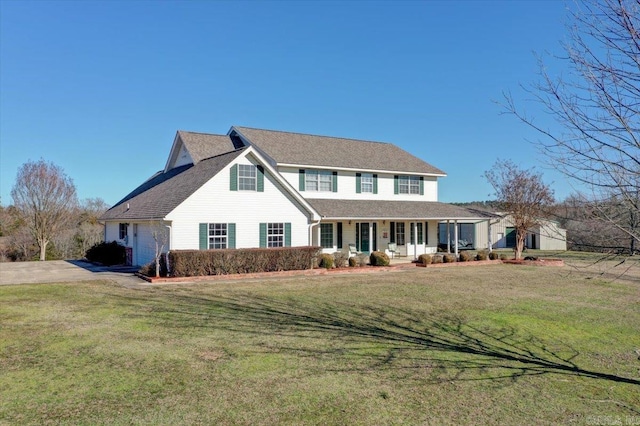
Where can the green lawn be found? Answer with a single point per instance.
(499, 344)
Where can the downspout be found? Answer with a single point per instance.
(166, 256)
(311, 225)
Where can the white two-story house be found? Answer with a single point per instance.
(262, 188)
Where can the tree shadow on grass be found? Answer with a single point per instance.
(379, 337)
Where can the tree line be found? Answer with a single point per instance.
(46, 220)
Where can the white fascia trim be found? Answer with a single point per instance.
(310, 166)
(287, 186)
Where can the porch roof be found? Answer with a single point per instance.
(401, 210)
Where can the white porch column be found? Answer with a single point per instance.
(455, 236)
(415, 240)
(448, 237)
(318, 235)
(370, 237)
(490, 244)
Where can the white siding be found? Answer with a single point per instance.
(347, 187)
(140, 239)
(549, 236)
(214, 202)
(144, 246)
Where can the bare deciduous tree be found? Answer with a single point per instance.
(46, 198)
(522, 194)
(160, 235)
(597, 105)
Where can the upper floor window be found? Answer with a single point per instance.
(409, 184)
(246, 177)
(366, 182)
(318, 180)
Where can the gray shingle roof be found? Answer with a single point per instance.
(324, 151)
(163, 192)
(381, 209)
(202, 145)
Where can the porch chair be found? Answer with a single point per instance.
(393, 249)
(352, 250)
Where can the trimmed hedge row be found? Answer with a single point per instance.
(189, 263)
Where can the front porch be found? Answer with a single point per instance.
(372, 225)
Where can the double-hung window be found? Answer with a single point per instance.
(318, 180)
(246, 177)
(409, 184)
(217, 236)
(275, 234)
(366, 182)
(326, 235)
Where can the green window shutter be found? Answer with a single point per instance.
(392, 232)
(335, 181)
(301, 180)
(339, 235)
(231, 235)
(263, 235)
(412, 229)
(375, 184)
(233, 181)
(395, 185)
(426, 233)
(358, 183)
(420, 234)
(204, 236)
(260, 179)
(287, 234)
(421, 185)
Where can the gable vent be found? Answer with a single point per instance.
(237, 142)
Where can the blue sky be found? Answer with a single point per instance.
(100, 88)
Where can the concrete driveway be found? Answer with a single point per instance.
(56, 271)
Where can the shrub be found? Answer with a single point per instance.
(425, 259)
(187, 263)
(353, 261)
(493, 255)
(503, 256)
(108, 254)
(482, 255)
(362, 259)
(465, 256)
(340, 258)
(449, 258)
(437, 258)
(325, 261)
(379, 258)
